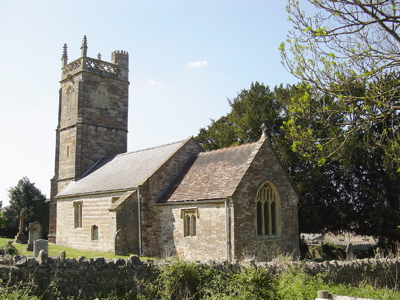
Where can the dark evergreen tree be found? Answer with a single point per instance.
(26, 196)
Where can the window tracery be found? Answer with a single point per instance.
(267, 211)
(190, 223)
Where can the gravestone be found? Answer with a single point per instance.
(35, 233)
(20, 237)
(40, 245)
(349, 252)
(62, 255)
(120, 247)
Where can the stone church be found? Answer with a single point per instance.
(170, 200)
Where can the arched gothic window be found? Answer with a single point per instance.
(101, 97)
(267, 211)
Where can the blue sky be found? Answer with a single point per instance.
(186, 59)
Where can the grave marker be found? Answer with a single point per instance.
(40, 245)
(35, 233)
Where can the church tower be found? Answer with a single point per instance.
(92, 117)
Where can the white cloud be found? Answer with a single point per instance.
(197, 64)
(151, 82)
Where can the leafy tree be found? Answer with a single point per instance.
(347, 54)
(2, 219)
(25, 196)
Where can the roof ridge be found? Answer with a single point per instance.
(231, 147)
(144, 149)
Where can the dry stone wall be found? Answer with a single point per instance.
(89, 277)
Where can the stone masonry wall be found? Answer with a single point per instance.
(127, 222)
(88, 277)
(88, 132)
(94, 212)
(210, 240)
(101, 131)
(153, 188)
(265, 167)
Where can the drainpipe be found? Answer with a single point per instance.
(227, 230)
(139, 222)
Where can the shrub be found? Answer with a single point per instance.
(180, 279)
(8, 249)
(296, 284)
(245, 283)
(328, 251)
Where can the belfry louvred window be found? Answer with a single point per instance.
(267, 211)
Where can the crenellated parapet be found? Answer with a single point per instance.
(118, 68)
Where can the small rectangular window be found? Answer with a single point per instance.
(78, 214)
(95, 233)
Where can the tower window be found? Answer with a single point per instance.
(69, 99)
(101, 97)
(267, 211)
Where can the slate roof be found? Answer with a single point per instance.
(121, 172)
(211, 175)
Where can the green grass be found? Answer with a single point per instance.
(54, 250)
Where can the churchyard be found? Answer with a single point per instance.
(54, 250)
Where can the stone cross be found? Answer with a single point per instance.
(22, 217)
(20, 237)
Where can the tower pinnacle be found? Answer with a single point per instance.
(64, 57)
(84, 47)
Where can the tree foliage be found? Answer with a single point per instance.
(348, 56)
(250, 109)
(26, 196)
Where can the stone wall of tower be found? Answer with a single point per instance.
(101, 131)
(93, 118)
